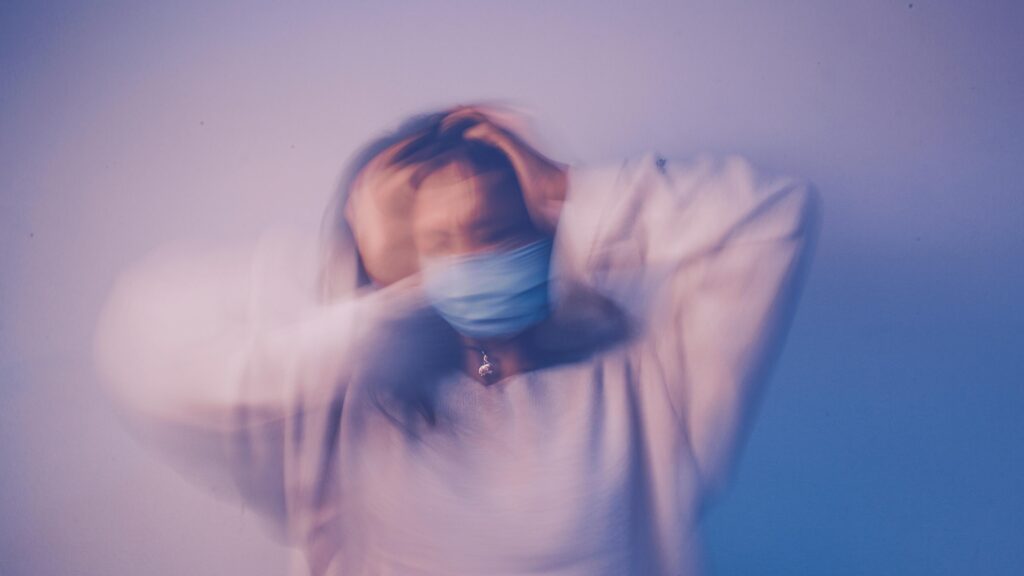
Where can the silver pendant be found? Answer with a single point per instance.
(486, 369)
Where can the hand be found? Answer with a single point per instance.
(543, 181)
(379, 211)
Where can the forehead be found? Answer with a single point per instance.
(455, 199)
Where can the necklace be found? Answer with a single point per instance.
(486, 369)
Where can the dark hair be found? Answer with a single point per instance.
(429, 145)
(444, 146)
(341, 268)
(405, 388)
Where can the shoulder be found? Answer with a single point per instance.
(703, 171)
(712, 193)
(715, 195)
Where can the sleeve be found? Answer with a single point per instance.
(731, 312)
(208, 354)
(708, 256)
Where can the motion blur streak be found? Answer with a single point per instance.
(889, 442)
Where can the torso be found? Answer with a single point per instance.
(546, 472)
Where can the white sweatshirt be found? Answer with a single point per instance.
(601, 466)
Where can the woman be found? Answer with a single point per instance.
(515, 367)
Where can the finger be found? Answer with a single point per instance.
(463, 114)
(501, 117)
(485, 133)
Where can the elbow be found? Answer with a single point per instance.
(809, 210)
(795, 209)
(163, 355)
(714, 480)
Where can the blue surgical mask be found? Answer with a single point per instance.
(491, 294)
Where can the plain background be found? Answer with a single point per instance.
(890, 442)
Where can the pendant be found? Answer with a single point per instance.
(486, 369)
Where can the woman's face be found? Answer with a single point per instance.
(452, 211)
(456, 211)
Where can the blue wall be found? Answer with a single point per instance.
(890, 441)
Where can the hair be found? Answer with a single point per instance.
(423, 349)
(341, 268)
(405, 388)
(430, 147)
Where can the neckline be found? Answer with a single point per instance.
(530, 376)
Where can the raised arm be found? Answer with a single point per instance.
(732, 314)
(209, 354)
(707, 255)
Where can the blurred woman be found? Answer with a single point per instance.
(511, 366)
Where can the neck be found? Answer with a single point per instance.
(506, 357)
(585, 323)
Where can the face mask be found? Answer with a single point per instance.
(493, 294)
